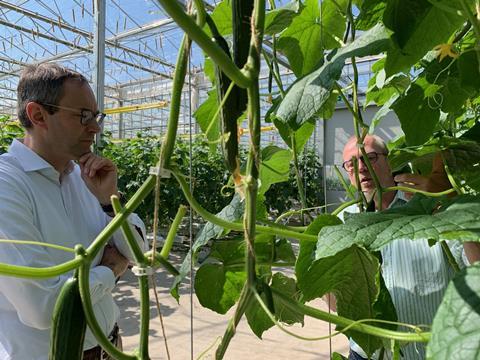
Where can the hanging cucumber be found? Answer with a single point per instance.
(68, 323)
(242, 32)
(228, 113)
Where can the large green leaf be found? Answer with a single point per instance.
(307, 248)
(312, 31)
(301, 135)
(416, 114)
(371, 13)
(231, 252)
(418, 27)
(455, 330)
(414, 220)
(222, 16)
(218, 289)
(351, 275)
(288, 287)
(231, 212)
(258, 320)
(204, 116)
(278, 19)
(307, 95)
(274, 168)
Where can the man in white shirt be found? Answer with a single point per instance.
(46, 197)
(415, 274)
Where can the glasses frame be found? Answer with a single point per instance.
(360, 158)
(85, 120)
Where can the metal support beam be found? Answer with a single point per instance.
(72, 45)
(110, 42)
(99, 58)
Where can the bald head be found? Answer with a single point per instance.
(374, 142)
(376, 151)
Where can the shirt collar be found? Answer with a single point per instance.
(31, 161)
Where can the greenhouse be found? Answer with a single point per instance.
(239, 179)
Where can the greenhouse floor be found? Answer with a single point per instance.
(208, 326)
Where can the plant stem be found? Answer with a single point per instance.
(449, 255)
(344, 322)
(340, 177)
(301, 189)
(84, 284)
(116, 222)
(128, 234)
(426, 193)
(243, 304)
(160, 260)
(39, 273)
(141, 261)
(232, 225)
(344, 206)
(167, 246)
(196, 33)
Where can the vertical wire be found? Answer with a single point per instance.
(190, 170)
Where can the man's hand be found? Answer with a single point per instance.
(100, 176)
(114, 260)
(437, 181)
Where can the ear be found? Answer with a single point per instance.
(36, 114)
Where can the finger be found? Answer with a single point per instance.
(85, 157)
(410, 178)
(88, 165)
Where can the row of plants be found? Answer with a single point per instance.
(210, 178)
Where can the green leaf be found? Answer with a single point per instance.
(416, 115)
(453, 95)
(307, 95)
(328, 109)
(231, 212)
(307, 248)
(301, 135)
(204, 117)
(337, 356)
(289, 288)
(284, 251)
(418, 27)
(413, 221)
(381, 113)
(371, 13)
(352, 276)
(278, 19)
(469, 71)
(455, 330)
(218, 289)
(222, 16)
(257, 319)
(275, 167)
(312, 31)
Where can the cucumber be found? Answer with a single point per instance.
(68, 324)
(228, 113)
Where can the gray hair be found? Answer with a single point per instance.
(43, 84)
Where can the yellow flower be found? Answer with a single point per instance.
(445, 50)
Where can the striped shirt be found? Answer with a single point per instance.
(416, 276)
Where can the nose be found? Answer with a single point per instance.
(361, 165)
(93, 127)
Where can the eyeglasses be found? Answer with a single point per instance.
(372, 157)
(86, 116)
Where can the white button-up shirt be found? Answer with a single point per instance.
(37, 203)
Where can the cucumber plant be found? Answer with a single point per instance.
(435, 94)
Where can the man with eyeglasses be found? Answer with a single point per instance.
(415, 274)
(54, 190)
